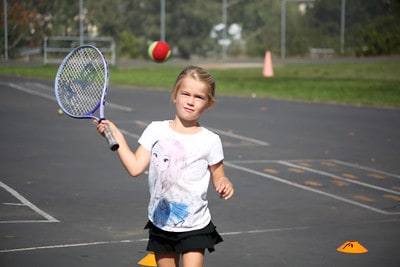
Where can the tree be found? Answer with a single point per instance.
(379, 32)
(26, 26)
(372, 27)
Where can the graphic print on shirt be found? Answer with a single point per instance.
(170, 204)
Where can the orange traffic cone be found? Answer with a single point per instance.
(148, 260)
(352, 247)
(268, 69)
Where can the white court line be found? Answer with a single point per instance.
(266, 230)
(31, 92)
(26, 202)
(366, 168)
(339, 177)
(53, 98)
(13, 204)
(119, 107)
(281, 180)
(357, 166)
(71, 245)
(127, 133)
(288, 163)
(26, 221)
(240, 137)
(260, 231)
(144, 240)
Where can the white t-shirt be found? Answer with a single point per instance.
(179, 176)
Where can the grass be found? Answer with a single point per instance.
(365, 84)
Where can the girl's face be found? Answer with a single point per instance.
(191, 99)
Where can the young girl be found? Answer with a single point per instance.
(181, 156)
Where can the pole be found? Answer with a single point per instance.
(283, 29)
(342, 25)
(162, 21)
(81, 22)
(224, 21)
(5, 31)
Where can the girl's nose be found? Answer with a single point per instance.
(191, 100)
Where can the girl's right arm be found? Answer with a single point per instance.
(134, 162)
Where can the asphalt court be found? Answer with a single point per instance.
(289, 194)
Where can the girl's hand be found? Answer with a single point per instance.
(221, 183)
(225, 189)
(100, 126)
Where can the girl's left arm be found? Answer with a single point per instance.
(221, 183)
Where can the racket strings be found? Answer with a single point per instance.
(81, 82)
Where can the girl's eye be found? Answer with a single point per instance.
(200, 98)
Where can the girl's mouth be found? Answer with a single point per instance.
(188, 109)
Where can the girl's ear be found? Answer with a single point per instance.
(210, 103)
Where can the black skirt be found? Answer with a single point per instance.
(161, 241)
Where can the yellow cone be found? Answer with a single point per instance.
(352, 247)
(148, 260)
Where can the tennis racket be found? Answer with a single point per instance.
(81, 86)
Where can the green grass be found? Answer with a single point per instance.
(371, 84)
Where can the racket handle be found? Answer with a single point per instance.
(110, 138)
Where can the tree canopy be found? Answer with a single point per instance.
(193, 28)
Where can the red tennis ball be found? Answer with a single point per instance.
(159, 51)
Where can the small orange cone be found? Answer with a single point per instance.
(352, 247)
(148, 260)
(268, 70)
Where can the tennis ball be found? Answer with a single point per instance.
(159, 51)
(60, 112)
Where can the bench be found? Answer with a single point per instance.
(321, 52)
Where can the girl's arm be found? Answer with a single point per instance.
(135, 163)
(221, 183)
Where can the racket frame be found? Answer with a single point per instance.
(100, 105)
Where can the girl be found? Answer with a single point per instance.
(181, 156)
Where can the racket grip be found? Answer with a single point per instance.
(110, 138)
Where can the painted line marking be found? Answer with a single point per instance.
(240, 137)
(119, 107)
(26, 202)
(71, 245)
(53, 98)
(31, 92)
(266, 230)
(13, 204)
(281, 180)
(27, 221)
(365, 168)
(260, 231)
(143, 240)
(349, 180)
(127, 133)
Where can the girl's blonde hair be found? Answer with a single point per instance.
(199, 74)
